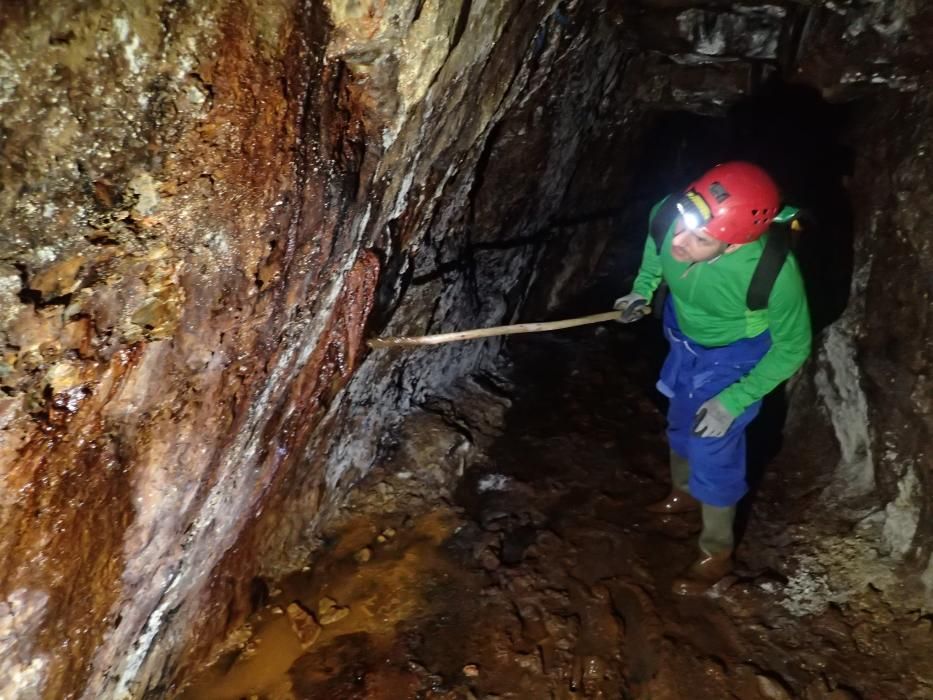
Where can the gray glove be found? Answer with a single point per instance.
(712, 420)
(633, 307)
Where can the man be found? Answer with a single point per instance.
(724, 356)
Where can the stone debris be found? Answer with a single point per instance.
(248, 651)
(493, 482)
(306, 628)
(535, 592)
(772, 689)
(386, 535)
(363, 555)
(197, 201)
(329, 612)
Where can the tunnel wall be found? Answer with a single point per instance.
(205, 209)
(857, 452)
(835, 101)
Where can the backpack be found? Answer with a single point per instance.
(777, 247)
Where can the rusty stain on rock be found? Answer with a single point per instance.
(194, 203)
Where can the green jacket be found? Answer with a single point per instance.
(710, 300)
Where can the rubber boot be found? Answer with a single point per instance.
(703, 574)
(717, 541)
(679, 499)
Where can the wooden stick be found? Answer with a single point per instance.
(405, 341)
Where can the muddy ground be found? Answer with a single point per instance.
(503, 552)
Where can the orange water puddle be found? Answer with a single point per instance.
(381, 575)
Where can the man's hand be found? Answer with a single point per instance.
(633, 307)
(712, 420)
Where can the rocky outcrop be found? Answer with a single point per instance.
(862, 412)
(206, 209)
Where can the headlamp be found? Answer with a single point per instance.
(689, 215)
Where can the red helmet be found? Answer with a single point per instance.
(735, 202)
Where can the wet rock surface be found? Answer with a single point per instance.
(540, 575)
(205, 208)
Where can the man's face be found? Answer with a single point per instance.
(694, 245)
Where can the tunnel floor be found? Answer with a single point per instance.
(538, 575)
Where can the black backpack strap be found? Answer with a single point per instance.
(660, 225)
(769, 267)
(662, 220)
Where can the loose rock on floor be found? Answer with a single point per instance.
(540, 576)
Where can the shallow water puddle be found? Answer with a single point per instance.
(351, 603)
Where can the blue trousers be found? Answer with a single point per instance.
(691, 375)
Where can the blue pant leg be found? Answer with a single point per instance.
(717, 465)
(681, 413)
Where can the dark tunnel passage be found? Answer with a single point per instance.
(536, 572)
(801, 140)
(217, 483)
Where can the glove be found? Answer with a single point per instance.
(712, 420)
(633, 306)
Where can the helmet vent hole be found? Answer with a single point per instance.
(754, 212)
(757, 221)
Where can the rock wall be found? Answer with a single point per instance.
(895, 341)
(862, 412)
(853, 96)
(204, 210)
(834, 98)
(860, 422)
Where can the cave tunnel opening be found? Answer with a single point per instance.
(801, 140)
(208, 210)
(804, 142)
(790, 130)
(545, 575)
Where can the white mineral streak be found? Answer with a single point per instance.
(130, 41)
(836, 569)
(217, 522)
(219, 519)
(838, 381)
(22, 670)
(902, 515)
(839, 385)
(927, 579)
(751, 32)
(493, 482)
